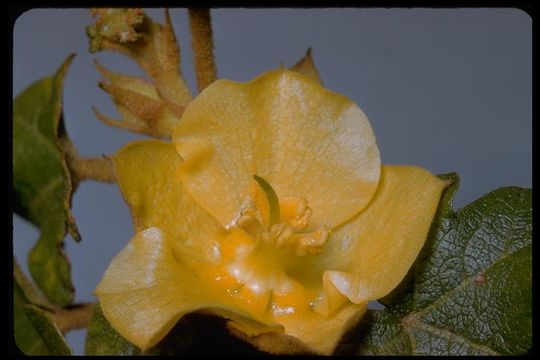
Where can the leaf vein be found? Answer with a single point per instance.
(447, 334)
(42, 139)
(464, 283)
(42, 195)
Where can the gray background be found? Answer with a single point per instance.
(445, 89)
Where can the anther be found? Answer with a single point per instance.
(281, 233)
(297, 212)
(248, 220)
(311, 243)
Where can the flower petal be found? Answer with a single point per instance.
(303, 333)
(304, 140)
(373, 252)
(147, 173)
(145, 290)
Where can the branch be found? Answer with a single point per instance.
(82, 168)
(203, 47)
(73, 317)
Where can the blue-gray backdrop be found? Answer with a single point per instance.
(445, 89)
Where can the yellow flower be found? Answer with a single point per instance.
(271, 209)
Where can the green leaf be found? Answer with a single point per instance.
(44, 325)
(34, 330)
(26, 337)
(469, 292)
(42, 182)
(102, 339)
(29, 292)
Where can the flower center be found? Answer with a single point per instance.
(275, 245)
(286, 234)
(279, 224)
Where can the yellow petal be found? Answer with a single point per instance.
(145, 290)
(376, 249)
(304, 333)
(148, 287)
(147, 173)
(304, 140)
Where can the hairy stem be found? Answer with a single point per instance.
(99, 169)
(203, 47)
(73, 317)
(82, 168)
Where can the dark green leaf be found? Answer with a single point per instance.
(379, 333)
(42, 182)
(34, 330)
(44, 325)
(470, 291)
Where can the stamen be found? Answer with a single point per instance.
(296, 212)
(310, 243)
(303, 214)
(249, 221)
(281, 234)
(276, 225)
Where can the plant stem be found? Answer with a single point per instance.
(82, 168)
(73, 317)
(203, 47)
(99, 169)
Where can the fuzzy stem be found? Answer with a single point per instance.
(82, 168)
(73, 317)
(203, 47)
(99, 169)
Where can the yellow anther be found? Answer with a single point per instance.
(294, 215)
(303, 214)
(310, 243)
(296, 212)
(281, 233)
(249, 221)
